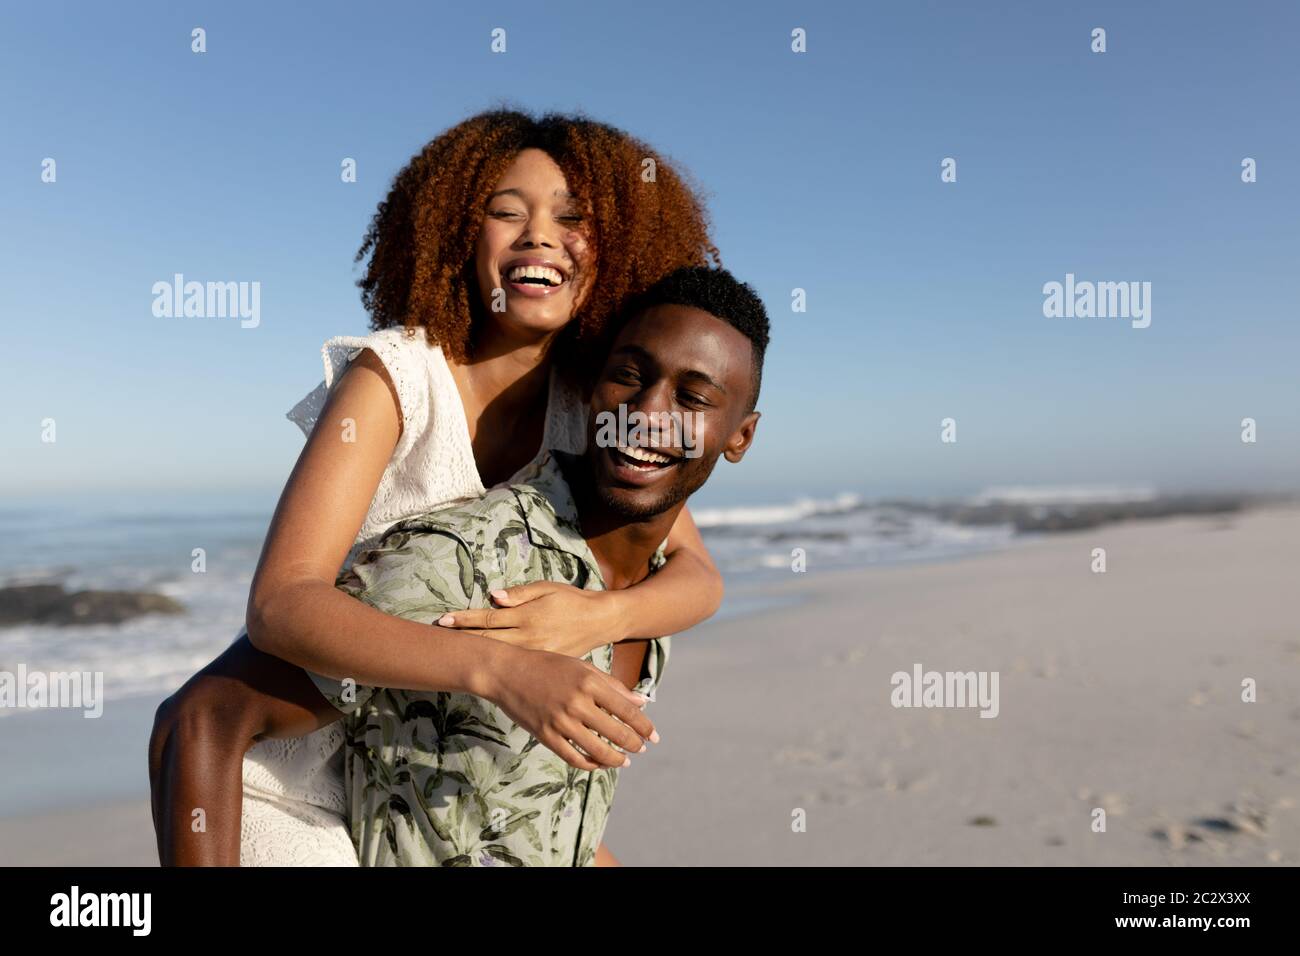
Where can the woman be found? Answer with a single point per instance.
(499, 254)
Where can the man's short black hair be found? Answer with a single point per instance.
(722, 295)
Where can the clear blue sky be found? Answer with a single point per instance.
(924, 298)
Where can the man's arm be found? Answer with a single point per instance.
(200, 736)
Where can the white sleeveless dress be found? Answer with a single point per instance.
(294, 808)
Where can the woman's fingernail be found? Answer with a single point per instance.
(654, 736)
(499, 596)
(446, 620)
(627, 761)
(642, 750)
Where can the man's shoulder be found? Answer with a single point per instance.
(465, 519)
(538, 496)
(498, 531)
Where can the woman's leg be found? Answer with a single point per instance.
(199, 739)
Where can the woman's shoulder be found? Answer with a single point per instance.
(415, 370)
(398, 348)
(396, 337)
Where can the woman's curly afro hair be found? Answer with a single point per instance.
(422, 239)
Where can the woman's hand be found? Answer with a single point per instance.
(547, 616)
(564, 702)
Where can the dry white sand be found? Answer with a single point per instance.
(1119, 690)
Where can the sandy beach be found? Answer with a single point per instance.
(1119, 691)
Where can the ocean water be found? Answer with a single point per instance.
(762, 542)
(148, 544)
(133, 544)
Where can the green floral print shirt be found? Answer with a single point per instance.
(448, 779)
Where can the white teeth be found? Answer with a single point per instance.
(644, 454)
(551, 276)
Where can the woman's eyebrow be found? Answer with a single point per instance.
(559, 194)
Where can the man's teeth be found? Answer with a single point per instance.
(538, 273)
(644, 454)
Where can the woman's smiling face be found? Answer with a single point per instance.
(533, 258)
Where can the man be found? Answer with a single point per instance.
(451, 778)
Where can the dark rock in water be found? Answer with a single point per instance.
(51, 604)
(22, 604)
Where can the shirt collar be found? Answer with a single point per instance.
(545, 496)
(551, 514)
(549, 511)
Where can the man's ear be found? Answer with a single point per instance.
(742, 438)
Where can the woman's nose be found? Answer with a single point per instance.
(535, 234)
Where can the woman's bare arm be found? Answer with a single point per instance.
(686, 591)
(294, 610)
(296, 613)
(549, 616)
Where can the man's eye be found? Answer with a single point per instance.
(690, 398)
(624, 374)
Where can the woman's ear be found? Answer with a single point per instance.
(742, 438)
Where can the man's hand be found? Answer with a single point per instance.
(546, 616)
(565, 702)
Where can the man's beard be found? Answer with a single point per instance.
(674, 494)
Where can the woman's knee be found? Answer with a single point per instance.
(158, 737)
(210, 710)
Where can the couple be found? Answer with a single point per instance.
(517, 621)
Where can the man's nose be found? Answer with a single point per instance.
(655, 401)
(652, 396)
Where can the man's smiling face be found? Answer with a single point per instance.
(670, 363)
